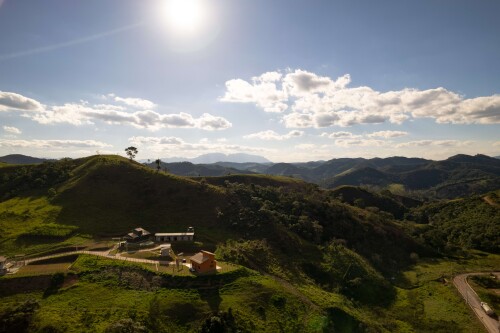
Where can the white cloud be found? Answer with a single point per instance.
(52, 144)
(10, 100)
(359, 142)
(138, 103)
(210, 122)
(306, 146)
(272, 135)
(148, 140)
(387, 134)
(339, 135)
(263, 91)
(316, 101)
(442, 143)
(12, 130)
(177, 146)
(83, 114)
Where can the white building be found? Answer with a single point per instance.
(174, 236)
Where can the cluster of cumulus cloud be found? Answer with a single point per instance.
(308, 100)
(135, 112)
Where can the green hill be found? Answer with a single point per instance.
(317, 264)
(397, 205)
(470, 223)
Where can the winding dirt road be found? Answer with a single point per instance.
(470, 296)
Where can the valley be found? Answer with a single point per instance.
(295, 256)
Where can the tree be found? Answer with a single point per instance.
(131, 152)
(158, 165)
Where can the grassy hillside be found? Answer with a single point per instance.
(318, 265)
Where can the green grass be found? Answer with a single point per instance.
(428, 303)
(47, 269)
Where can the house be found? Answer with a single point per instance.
(174, 236)
(203, 262)
(137, 235)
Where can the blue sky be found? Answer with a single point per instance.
(288, 80)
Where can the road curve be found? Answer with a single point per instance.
(470, 296)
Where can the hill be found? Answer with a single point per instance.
(21, 159)
(412, 177)
(193, 170)
(313, 263)
(472, 222)
(396, 205)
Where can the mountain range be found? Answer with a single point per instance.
(448, 178)
(458, 175)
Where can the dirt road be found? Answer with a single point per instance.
(470, 296)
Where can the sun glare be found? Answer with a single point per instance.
(185, 16)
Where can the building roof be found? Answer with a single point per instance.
(144, 231)
(202, 256)
(162, 234)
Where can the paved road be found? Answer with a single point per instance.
(470, 296)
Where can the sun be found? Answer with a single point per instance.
(185, 16)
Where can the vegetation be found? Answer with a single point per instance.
(317, 260)
(469, 223)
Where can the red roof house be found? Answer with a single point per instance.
(203, 262)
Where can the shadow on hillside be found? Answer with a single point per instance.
(212, 297)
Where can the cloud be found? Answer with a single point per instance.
(387, 134)
(138, 103)
(83, 113)
(272, 135)
(10, 100)
(174, 145)
(52, 144)
(302, 82)
(339, 135)
(141, 140)
(263, 91)
(441, 143)
(210, 122)
(359, 142)
(12, 130)
(318, 101)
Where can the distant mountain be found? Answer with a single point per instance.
(456, 176)
(219, 157)
(195, 170)
(21, 159)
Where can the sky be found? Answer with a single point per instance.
(290, 80)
